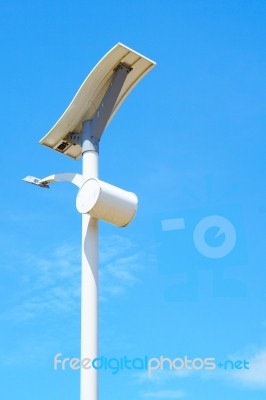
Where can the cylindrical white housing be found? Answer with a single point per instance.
(107, 202)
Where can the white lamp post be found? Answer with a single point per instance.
(77, 133)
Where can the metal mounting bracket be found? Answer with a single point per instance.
(76, 179)
(74, 138)
(103, 113)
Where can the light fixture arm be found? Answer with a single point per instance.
(76, 179)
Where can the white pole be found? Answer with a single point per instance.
(89, 281)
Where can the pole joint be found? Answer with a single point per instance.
(88, 141)
(73, 138)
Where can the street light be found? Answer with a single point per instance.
(77, 133)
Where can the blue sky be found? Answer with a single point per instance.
(190, 141)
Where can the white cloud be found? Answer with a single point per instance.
(165, 394)
(161, 376)
(255, 376)
(49, 282)
(29, 352)
(252, 378)
(119, 268)
(113, 246)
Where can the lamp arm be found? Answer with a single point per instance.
(76, 179)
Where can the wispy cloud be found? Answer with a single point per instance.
(165, 394)
(120, 265)
(255, 376)
(161, 376)
(29, 352)
(159, 379)
(49, 281)
(113, 246)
